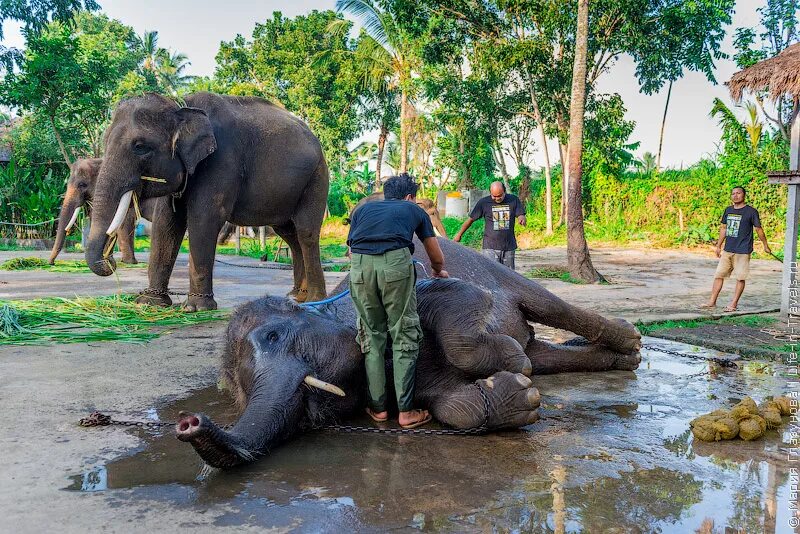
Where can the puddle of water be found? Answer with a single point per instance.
(612, 453)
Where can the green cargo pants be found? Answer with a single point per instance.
(382, 288)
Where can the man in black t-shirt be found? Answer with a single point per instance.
(501, 210)
(736, 231)
(382, 285)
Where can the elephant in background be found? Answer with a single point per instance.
(292, 368)
(428, 205)
(80, 192)
(219, 158)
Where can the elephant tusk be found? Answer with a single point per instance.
(73, 219)
(122, 210)
(317, 383)
(436, 232)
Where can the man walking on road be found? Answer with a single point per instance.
(736, 231)
(501, 210)
(382, 285)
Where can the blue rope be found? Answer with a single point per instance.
(346, 292)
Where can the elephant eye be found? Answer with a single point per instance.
(272, 337)
(141, 149)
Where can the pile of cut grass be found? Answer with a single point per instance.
(61, 266)
(559, 273)
(85, 319)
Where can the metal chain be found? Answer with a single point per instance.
(163, 292)
(719, 361)
(101, 419)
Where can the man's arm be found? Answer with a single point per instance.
(520, 209)
(521, 220)
(722, 228)
(763, 238)
(463, 229)
(434, 252)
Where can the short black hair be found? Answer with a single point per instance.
(400, 186)
(744, 191)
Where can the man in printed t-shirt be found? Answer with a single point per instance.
(501, 210)
(736, 230)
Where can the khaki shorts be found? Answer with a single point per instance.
(737, 266)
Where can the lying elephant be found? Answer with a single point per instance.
(430, 208)
(80, 191)
(477, 342)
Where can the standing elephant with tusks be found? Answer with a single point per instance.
(215, 159)
(292, 368)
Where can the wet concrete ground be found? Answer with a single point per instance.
(612, 453)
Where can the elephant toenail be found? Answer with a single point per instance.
(533, 397)
(523, 380)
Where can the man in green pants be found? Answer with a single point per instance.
(382, 280)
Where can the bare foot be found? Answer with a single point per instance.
(708, 305)
(730, 308)
(414, 418)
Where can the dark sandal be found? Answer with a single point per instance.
(375, 417)
(424, 421)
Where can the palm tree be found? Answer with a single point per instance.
(148, 46)
(754, 126)
(648, 164)
(390, 58)
(578, 260)
(171, 70)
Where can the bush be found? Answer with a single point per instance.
(29, 195)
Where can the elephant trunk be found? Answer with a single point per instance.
(438, 226)
(109, 210)
(273, 412)
(69, 210)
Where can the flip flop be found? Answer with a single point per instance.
(729, 309)
(707, 306)
(427, 419)
(375, 417)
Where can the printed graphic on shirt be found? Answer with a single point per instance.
(501, 216)
(734, 221)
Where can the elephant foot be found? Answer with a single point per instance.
(513, 401)
(199, 303)
(154, 297)
(620, 336)
(299, 295)
(315, 295)
(129, 260)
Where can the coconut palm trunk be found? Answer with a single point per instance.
(403, 132)
(381, 145)
(578, 260)
(663, 124)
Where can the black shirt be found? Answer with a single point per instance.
(498, 231)
(739, 225)
(382, 226)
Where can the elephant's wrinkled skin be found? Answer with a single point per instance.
(476, 332)
(80, 191)
(430, 208)
(220, 158)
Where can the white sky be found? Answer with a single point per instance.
(196, 27)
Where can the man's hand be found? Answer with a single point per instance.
(718, 251)
(767, 249)
(521, 220)
(441, 274)
(457, 237)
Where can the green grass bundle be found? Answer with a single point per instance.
(61, 266)
(84, 319)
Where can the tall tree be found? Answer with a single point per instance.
(385, 31)
(579, 262)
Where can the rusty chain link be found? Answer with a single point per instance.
(722, 362)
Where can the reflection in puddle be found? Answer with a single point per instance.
(612, 452)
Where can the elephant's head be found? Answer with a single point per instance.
(287, 367)
(433, 212)
(80, 189)
(152, 147)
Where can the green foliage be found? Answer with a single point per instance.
(752, 321)
(61, 266)
(472, 238)
(347, 188)
(29, 195)
(278, 63)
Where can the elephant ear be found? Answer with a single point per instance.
(194, 139)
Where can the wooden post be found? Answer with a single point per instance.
(262, 236)
(238, 238)
(790, 244)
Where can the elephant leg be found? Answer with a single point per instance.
(512, 402)
(549, 358)
(541, 306)
(483, 354)
(203, 230)
(165, 242)
(125, 237)
(308, 221)
(288, 233)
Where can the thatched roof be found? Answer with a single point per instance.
(780, 75)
